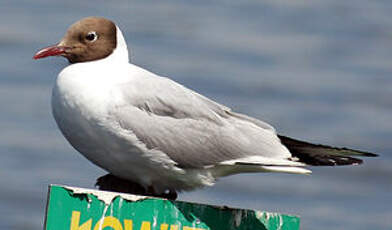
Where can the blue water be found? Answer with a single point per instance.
(317, 70)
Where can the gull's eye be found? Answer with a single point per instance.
(92, 36)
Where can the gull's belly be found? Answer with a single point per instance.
(122, 155)
(85, 121)
(120, 152)
(84, 115)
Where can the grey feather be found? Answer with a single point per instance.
(191, 129)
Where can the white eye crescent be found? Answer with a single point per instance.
(92, 36)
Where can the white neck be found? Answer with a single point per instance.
(120, 53)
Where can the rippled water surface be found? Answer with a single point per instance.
(317, 70)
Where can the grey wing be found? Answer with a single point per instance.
(193, 130)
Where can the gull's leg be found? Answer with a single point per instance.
(168, 194)
(171, 195)
(112, 183)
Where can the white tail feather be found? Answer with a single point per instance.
(285, 169)
(260, 160)
(226, 170)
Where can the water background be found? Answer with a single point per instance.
(317, 70)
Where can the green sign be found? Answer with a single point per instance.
(84, 209)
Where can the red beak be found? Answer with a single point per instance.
(50, 51)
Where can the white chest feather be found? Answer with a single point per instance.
(82, 102)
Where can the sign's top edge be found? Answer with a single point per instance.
(104, 196)
(107, 197)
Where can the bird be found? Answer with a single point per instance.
(156, 134)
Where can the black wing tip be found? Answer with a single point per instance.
(329, 160)
(367, 154)
(323, 155)
(370, 155)
(361, 153)
(288, 140)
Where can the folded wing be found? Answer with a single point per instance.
(193, 130)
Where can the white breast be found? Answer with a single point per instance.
(82, 101)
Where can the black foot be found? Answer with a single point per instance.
(169, 194)
(112, 183)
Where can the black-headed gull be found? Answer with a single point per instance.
(155, 132)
